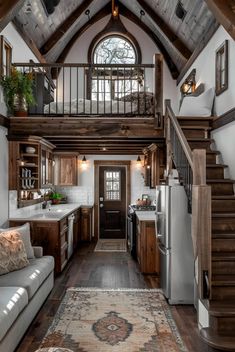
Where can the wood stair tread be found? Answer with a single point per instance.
(223, 215)
(223, 235)
(192, 139)
(221, 308)
(223, 197)
(218, 180)
(191, 127)
(223, 280)
(222, 256)
(216, 165)
(210, 118)
(213, 152)
(224, 342)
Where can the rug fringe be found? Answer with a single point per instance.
(114, 289)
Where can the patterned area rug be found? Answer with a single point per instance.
(110, 245)
(122, 320)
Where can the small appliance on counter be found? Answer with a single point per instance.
(131, 225)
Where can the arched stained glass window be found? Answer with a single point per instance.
(114, 82)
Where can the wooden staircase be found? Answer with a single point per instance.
(221, 306)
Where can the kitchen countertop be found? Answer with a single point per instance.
(54, 213)
(146, 215)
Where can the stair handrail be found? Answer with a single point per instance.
(199, 196)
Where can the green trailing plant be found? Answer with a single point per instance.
(19, 84)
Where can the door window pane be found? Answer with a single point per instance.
(112, 185)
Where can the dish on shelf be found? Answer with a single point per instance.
(30, 150)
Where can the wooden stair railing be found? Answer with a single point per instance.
(213, 224)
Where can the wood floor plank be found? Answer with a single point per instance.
(106, 270)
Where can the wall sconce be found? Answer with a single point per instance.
(84, 160)
(189, 85)
(138, 162)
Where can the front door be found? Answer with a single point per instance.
(112, 201)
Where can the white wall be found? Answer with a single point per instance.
(79, 53)
(3, 176)
(205, 70)
(84, 193)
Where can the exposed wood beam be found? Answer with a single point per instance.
(8, 10)
(32, 46)
(132, 17)
(202, 44)
(223, 12)
(64, 27)
(166, 30)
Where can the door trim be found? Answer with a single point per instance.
(97, 164)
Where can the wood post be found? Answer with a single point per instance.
(158, 90)
(199, 167)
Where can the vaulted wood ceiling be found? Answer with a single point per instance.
(54, 34)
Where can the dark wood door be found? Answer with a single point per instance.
(112, 201)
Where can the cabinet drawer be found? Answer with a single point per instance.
(63, 238)
(63, 225)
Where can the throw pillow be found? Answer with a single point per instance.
(12, 252)
(198, 106)
(24, 231)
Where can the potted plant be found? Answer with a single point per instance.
(18, 92)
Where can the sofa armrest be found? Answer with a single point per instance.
(38, 251)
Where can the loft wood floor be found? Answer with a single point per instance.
(107, 270)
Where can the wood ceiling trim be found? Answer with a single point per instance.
(8, 9)
(32, 46)
(166, 30)
(202, 44)
(133, 18)
(64, 27)
(223, 12)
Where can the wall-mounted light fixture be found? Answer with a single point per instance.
(189, 85)
(138, 162)
(84, 161)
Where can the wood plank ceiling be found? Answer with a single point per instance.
(52, 33)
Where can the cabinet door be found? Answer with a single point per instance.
(67, 170)
(86, 224)
(46, 168)
(76, 229)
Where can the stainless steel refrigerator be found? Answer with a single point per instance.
(173, 230)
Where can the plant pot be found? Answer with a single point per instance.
(20, 106)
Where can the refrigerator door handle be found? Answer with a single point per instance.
(163, 250)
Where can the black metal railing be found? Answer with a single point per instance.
(180, 152)
(90, 89)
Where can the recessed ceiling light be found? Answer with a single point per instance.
(180, 11)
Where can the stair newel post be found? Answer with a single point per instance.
(201, 223)
(167, 136)
(158, 90)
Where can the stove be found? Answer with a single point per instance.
(135, 207)
(131, 226)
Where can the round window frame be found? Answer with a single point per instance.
(127, 37)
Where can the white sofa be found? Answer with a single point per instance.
(22, 293)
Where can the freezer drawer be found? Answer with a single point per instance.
(165, 270)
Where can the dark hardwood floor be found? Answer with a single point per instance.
(112, 270)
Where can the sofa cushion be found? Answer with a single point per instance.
(30, 277)
(24, 231)
(12, 252)
(12, 301)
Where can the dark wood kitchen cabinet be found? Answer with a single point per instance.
(52, 236)
(66, 169)
(147, 250)
(154, 165)
(76, 228)
(86, 223)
